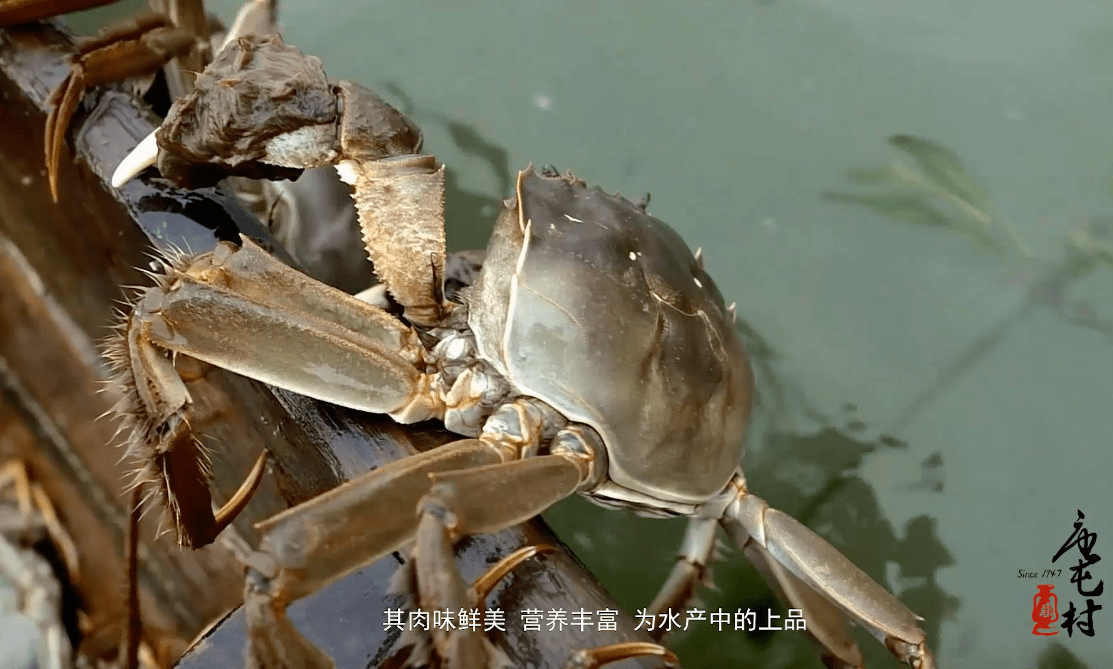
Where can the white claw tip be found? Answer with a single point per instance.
(347, 171)
(141, 157)
(375, 295)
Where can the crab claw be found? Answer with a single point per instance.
(144, 155)
(132, 48)
(263, 109)
(255, 17)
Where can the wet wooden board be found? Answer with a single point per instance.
(61, 272)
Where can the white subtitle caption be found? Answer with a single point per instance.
(604, 620)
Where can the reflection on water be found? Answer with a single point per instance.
(941, 194)
(992, 376)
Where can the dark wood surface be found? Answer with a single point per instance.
(62, 268)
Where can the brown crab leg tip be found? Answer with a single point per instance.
(63, 101)
(597, 657)
(144, 155)
(234, 506)
(52, 160)
(53, 186)
(487, 582)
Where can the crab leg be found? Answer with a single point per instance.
(490, 578)
(297, 341)
(413, 646)
(137, 47)
(459, 504)
(321, 540)
(280, 327)
(451, 489)
(187, 17)
(604, 655)
(690, 568)
(174, 36)
(14, 12)
(805, 565)
(827, 625)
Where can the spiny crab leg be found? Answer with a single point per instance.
(277, 114)
(279, 327)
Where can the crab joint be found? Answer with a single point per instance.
(518, 429)
(584, 447)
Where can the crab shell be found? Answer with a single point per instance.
(593, 306)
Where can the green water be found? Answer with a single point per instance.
(737, 117)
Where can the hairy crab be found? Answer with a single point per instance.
(593, 355)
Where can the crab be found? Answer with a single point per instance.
(594, 355)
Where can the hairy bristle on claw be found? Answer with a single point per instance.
(142, 432)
